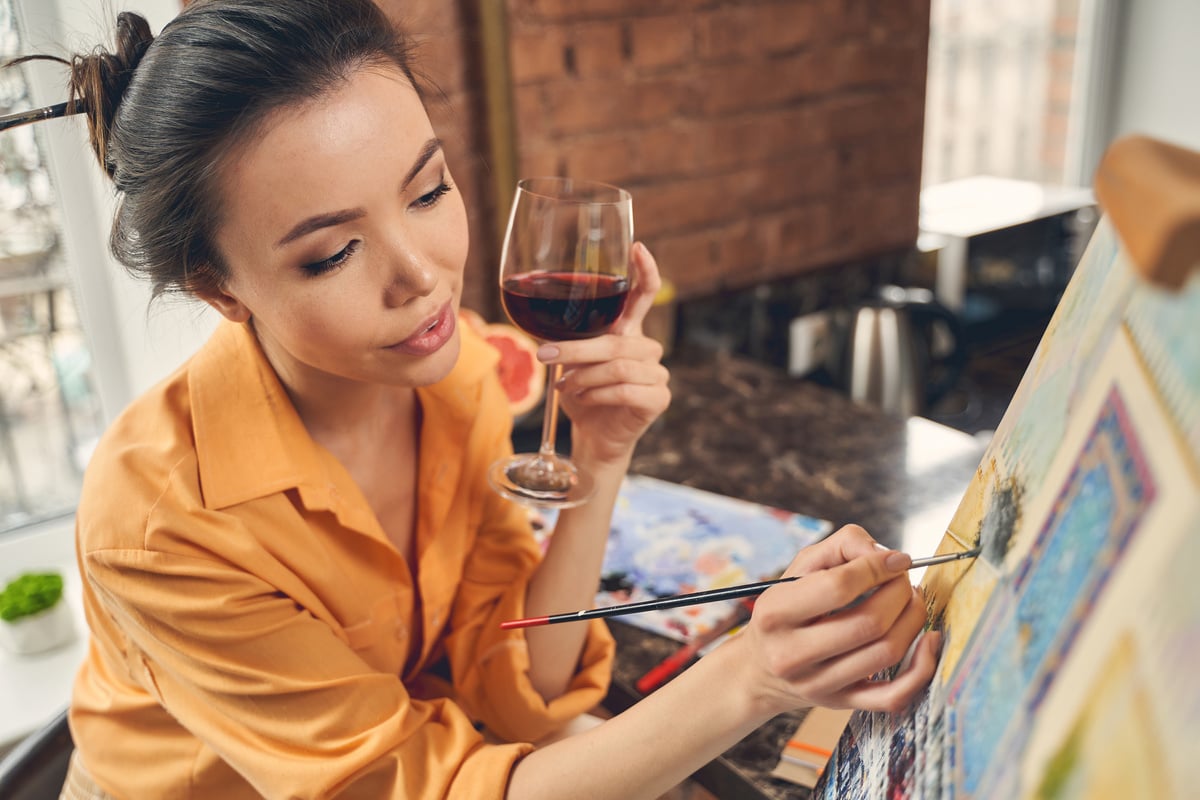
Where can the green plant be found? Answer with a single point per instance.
(30, 593)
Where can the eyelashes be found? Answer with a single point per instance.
(431, 198)
(427, 200)
(334, 261)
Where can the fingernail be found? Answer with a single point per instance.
(897, 562)
(547, 352)
(879, 546)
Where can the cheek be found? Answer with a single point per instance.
(314, 322)
(455, 238)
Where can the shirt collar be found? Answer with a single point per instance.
(250, 442)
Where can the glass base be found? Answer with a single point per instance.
(533, 479)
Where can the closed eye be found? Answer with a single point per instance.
(431, 198)
(334, 261)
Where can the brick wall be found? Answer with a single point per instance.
(1058, 92)
(760, 138)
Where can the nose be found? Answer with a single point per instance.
(409, 274)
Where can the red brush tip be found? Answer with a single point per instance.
(524, 623)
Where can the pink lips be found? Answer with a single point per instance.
(430, 336)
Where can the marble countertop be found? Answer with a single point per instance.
(746, 430)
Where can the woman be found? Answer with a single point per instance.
(294, 567)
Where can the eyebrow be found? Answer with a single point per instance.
(319, 221)
(431, 147)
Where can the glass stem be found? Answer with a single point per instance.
(550, 414)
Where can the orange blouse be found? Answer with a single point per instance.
(253, 631)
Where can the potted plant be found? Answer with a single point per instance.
(34, 617)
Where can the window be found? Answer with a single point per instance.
(50, 415)
(1000, 89)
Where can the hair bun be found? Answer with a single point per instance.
(99, 80)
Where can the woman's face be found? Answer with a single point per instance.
(344, 238)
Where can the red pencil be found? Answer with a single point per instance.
(680, 658)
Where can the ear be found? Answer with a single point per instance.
(226, 304)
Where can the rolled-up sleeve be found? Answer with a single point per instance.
(277, 695)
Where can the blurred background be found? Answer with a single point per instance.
(795, 166)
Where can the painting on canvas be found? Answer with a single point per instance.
(1081, 505)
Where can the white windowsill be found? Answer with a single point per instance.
(33, 688)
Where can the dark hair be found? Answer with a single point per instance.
(163, 111)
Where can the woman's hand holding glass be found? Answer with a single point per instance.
(565, 278)
(614, 386)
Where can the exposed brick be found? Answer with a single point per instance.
(803, 232)
(783, 183)
(900, 16)
(759, 137)
(536, 54)
(572, 107)
(686, 259)
(529, 112)
(889, 156)
(741, 247)
(599, 48)
(763, 136)
(683, 204)
(759, 84)
(785, 26)
(855, 64)
(723, 33)
(857, 114)
(850, 18)
(541, 157)
(670, 150)
(663, 41)
(608, 157)
(876, 218)
(571, 10)
(423, 17)
(700, 262)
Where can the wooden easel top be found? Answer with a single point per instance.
(1151, 193)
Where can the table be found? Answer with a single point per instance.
(747, 430)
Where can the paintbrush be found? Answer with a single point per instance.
(695, 598)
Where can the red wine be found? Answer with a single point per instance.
(564, 305)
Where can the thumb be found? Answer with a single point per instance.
(646, 283)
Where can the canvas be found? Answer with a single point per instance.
(1068, 669)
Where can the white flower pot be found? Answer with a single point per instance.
(39, 632)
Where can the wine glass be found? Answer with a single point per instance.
(564, 274)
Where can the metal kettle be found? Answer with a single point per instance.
(887, 350)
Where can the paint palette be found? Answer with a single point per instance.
(669, 539)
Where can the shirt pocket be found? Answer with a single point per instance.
(382, 639)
